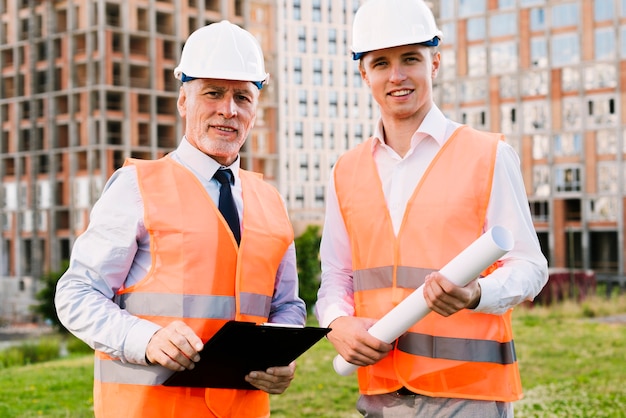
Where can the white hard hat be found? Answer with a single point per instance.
(222, 50)
(380, 24)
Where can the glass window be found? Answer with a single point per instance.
(608, 177)
(508, 118)
(535, 83)
(473, 90)
(603, 208)
(476, 28)
(570, 79)
(477, 60)
(565, 49)
(474, 117)
(567, 144)
(603, 10)
(606, 142)
(503, 24)
(471, 7)
(448, 64)
(572, 113)
(508, 86)
(537, 19)
(622, 8)
(535, 116)
(448, 90)
(449, 33)
(567, 179)
(446, 9)
(538, 52)
(565, 15)
(600, 75)
(601, 111)
(504, 57)
(605, 47)
(526, 3)
(541, 147)
(541, 180)
(506, 4)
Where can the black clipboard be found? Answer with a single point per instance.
(239, 347)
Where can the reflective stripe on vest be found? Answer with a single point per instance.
(469, 354)
(461, 349)
(193, 306)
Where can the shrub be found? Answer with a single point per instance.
(307, 250)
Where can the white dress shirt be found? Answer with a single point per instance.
(524, 270)
(114, 253)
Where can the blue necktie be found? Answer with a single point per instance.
(227, 203)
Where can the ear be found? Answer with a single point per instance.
(436, 62)
(181, 103)
(364, 75)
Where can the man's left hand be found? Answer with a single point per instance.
(446, 298)
(274, 380)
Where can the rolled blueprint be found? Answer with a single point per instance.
(461, 270)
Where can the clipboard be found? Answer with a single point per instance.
(239, 347)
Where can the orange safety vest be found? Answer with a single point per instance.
(468, 355)
(199, 276)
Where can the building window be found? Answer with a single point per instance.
(608, 177)
(601, 111)
(504, 57)
(541, 147)
(535, 116)
(503, 24)
(572, 113)
(540, 210)
(471, 7)
(538, 53)
(567, 144)
(508, 120)
(567, 179)
(541, 181)
(476, 29)
(508, 87)
(565, 49)
(477, 60)
(448, 70)
(603, 10)
(535, 83)
(473, 90)
(605, 46)
(537, 19)
(570, 79)
(604, 208)
(565, 15)
(601, 75)
(606, 142)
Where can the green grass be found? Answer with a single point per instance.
(572, 365)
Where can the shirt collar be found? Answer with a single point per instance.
(201, 163)
(434, 125)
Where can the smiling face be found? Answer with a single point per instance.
(218, 115)
(401, 80)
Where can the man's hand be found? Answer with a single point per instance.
(445, 298)
(176, 347)
(350, 338)
(274, 380)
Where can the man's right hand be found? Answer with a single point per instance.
(175, 346)
(350, 338)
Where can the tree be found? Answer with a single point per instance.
(45, 297)
(309, 268)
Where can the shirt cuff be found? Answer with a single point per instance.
(331, 314)
(137, 341)
(488, 295)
